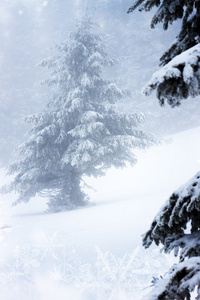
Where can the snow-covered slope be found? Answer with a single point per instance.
(94, 252)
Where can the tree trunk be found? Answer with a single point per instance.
(76, 195)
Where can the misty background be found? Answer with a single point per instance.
(67, 254)
(29, 28)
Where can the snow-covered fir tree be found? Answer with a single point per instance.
(177, 226)
(178, 79)
(180, 76)
(168, 12)
(80, 132)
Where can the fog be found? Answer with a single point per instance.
(125, 202)
(28, 30)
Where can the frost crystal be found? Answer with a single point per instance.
(107, 277)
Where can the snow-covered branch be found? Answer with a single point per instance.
(178, 79)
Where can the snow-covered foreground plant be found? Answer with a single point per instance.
(80, 132)
(177, 228)
(177, 80)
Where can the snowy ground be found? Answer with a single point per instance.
(95, 253)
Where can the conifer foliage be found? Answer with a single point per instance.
(177, 226)
(80, 132)
(180, 78)
(170, 11)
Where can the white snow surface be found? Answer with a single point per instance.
(95, 252)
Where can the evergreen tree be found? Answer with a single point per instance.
(80, 132)
(170, 11)
(177, 226)
(180, 76)
(178, 79)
